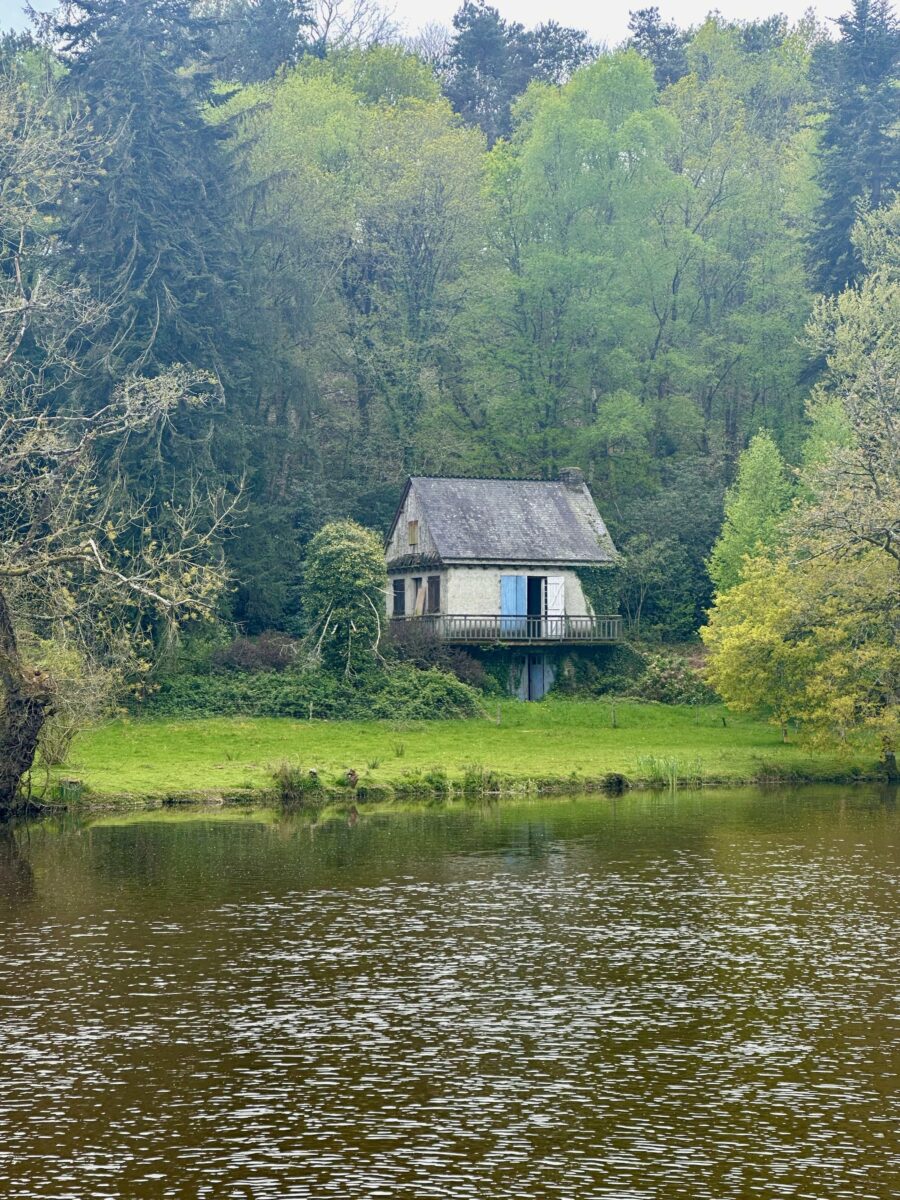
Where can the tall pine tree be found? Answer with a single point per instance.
(251, 39)
(859, 163)
(148, 226)
(148, 223)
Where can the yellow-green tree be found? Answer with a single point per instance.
(814, 635)
(812, 642)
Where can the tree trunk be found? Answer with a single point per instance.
(27, 702)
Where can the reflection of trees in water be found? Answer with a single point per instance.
(16, 875)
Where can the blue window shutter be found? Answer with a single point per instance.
(513, 603)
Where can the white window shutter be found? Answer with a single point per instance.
(555, 606)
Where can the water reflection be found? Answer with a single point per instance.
(650, 997)
(16, 875)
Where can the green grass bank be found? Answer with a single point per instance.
(557, 745)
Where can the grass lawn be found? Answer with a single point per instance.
(554, 741)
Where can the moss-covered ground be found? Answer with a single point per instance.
(558, 743)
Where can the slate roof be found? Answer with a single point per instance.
(513, 520)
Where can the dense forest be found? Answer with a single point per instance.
(274, 256)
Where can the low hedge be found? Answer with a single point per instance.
(402, 693)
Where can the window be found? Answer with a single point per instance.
(399, 598)
(418, 596)
(412, 529)
(434, 594)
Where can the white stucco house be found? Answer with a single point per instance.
(495, 562)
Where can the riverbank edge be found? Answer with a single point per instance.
(495, 788)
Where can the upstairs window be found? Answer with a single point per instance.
(433, 604)
(412, 530)
(418, 595)
(399, 609)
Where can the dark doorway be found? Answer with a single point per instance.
(535, 596)
(534, 601)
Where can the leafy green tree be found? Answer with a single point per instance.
(859, 156)
(344, 590)
(366, 205)
(755, 507)
(759, 661)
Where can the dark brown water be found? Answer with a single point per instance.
(649, 998)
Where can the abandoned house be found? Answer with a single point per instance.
(494, 563)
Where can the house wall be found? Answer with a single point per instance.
(476, 590)
(399, 543)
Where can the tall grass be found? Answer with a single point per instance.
(294, 785)
(668, 771)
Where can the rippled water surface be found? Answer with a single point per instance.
(653, 997)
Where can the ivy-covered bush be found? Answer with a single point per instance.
(598, 671)
(402, 693)
(344, 588)
(669, 679)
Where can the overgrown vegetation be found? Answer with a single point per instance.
(402, 693)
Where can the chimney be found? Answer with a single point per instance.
(572, 477)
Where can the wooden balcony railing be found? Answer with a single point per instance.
(468, 628)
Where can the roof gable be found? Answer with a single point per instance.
(512, 520)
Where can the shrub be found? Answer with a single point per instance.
(671, 680)
(417, 643)
(401, 694)
(268, 651)
(408, 694)
(295, 785)
(85, 693)
(598, 671)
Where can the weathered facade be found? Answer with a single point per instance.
(487, 562)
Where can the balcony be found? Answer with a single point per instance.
(527, 631)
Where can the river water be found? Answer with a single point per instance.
(649, 997)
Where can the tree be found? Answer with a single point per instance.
(350, 24)
(755, 507)
(147, 221)
(366, 207)
(814, 635)
(431, 43)
(811, 640)
(77, 558)
(859, 154)
(760, 654)
(855, 489)
(251, 39)
(662, 42)
(491, 61)
(344, 589)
